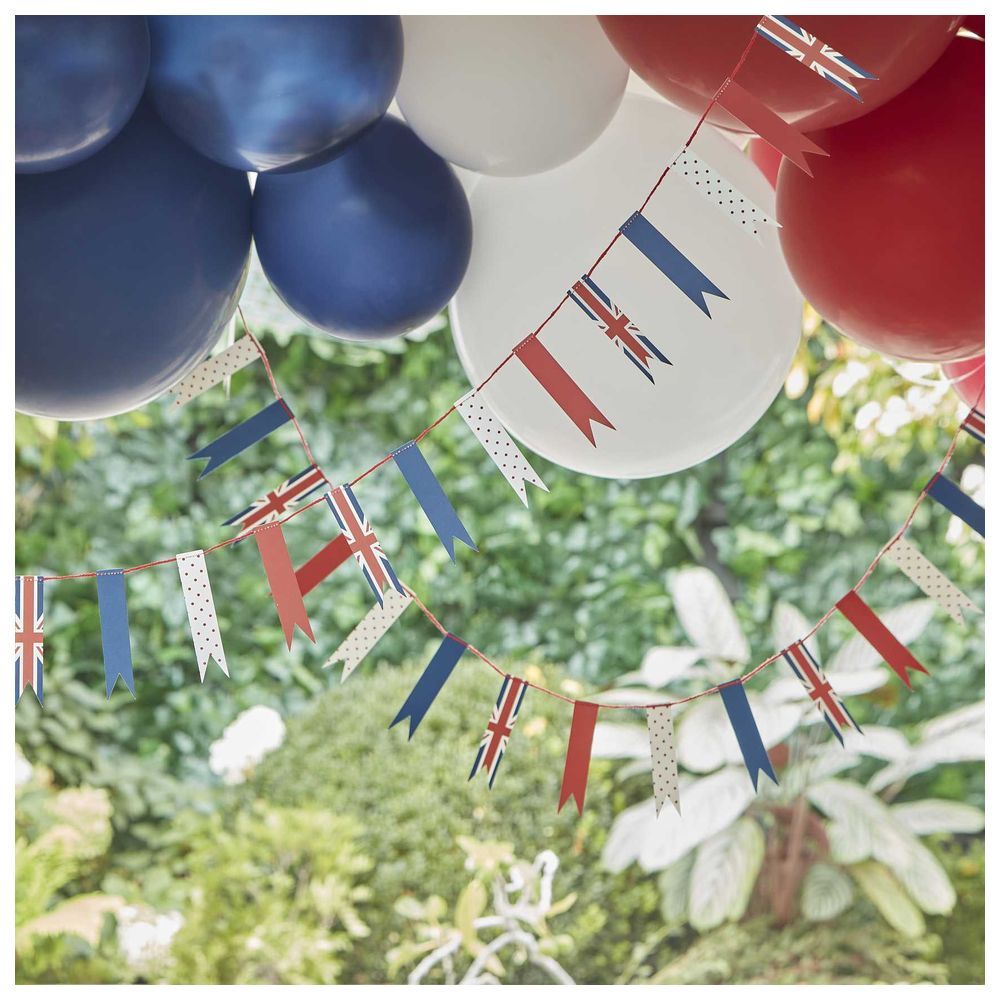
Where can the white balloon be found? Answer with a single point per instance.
(533, 237)
(508, 95)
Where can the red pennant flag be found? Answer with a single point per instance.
(773, 129)
(316, 570)
(581, 738)
(854, 609)
(559, 384)
(281, 578)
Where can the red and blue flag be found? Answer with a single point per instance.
(498, 730)
(975, 424)
(29, 638)
(833, 710)
(278, 501)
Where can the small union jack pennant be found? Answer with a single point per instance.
(826, 62)
(272, 505)
(829, 703)
(29, 639)
(615, 325)
(367, 549)
(504, 715)
(975, 424)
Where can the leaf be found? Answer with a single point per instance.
(674, 882)
(878, 884)
(939, 816)
(788, 625)
(470, 904)
(968, 717)
(850, 842)
(706, 614)
(81, 915)
(826, 893)
(620, 740)
(906, 622)
(951, 747)
(663, 664)
(724, 873)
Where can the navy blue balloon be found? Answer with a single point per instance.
(267, 92)
(77, 81)
(370, 245)
(128, 266)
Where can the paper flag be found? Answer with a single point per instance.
(829, 703)
(425, 487)
(373, 562)
(658, 250)
(115, 639)
(200, 605)
(975, 424)
(930, 579)
(854, 609)
(29, 637)
(616, 326)
(281, 579)
(942, 489)
(734, 697)
(492, 435)
(559, 384)
(663, 753)
(430, 683)
(498, 729)
(826, 62)
(577, 767)
(281, 500)
(312, 573)
(213, 370)
(729, 200)
(773, 129)
(255, 429)
(368, 631)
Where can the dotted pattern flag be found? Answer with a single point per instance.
(200, 604)
(498, 444)
(729, 200)
(211, 372)
(368, 631)
(662, 749)
(930, 579)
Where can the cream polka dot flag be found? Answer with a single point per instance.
(662, 749)
(201, 610)
(368, 631)
(213, 370)
(930, 579)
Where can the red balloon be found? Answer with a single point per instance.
(766, 157)
(686, 58)
(886, 240)
(968, 379)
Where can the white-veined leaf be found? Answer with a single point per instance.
(906, 622)
(620, 740)
(961, 719)
(788, 625)
(725, 870)
(663, 664)
(826, 892)
(939, 816)
(889, 897)
(706, 614)
(674, 882)
(952, 747)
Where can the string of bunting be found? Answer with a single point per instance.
(264, 518)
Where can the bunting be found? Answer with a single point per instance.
(773, 129)
(429, 685)
(213, 370)
(279, 501)
(117, 645)
(200, 606)
(281, 578)
(492, 435)
(494, 742)
(829, 703)
(930, 579)
(559, 384)
(577, 766)
(663, 754)
(29, 635)
(659, 251)
(427, 490)
(854, 609)
(242, 436)
(734, 697)
(615, 325)
(975, 425)
(942, 489)
(313, 572)
(368, 631)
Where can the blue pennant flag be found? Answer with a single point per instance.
(657, 249)
(431, 681)
(747, 735)
(114, 629)
(959, 503)
(422, 481)
(255, 429)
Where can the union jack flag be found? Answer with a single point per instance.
(361, 538)
(975, 424)
(807, 49)
(504, 715)
(829, 703)
(272, 505)
(616, 325)
(29, 628)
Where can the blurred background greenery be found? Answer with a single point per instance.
(155, 845)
